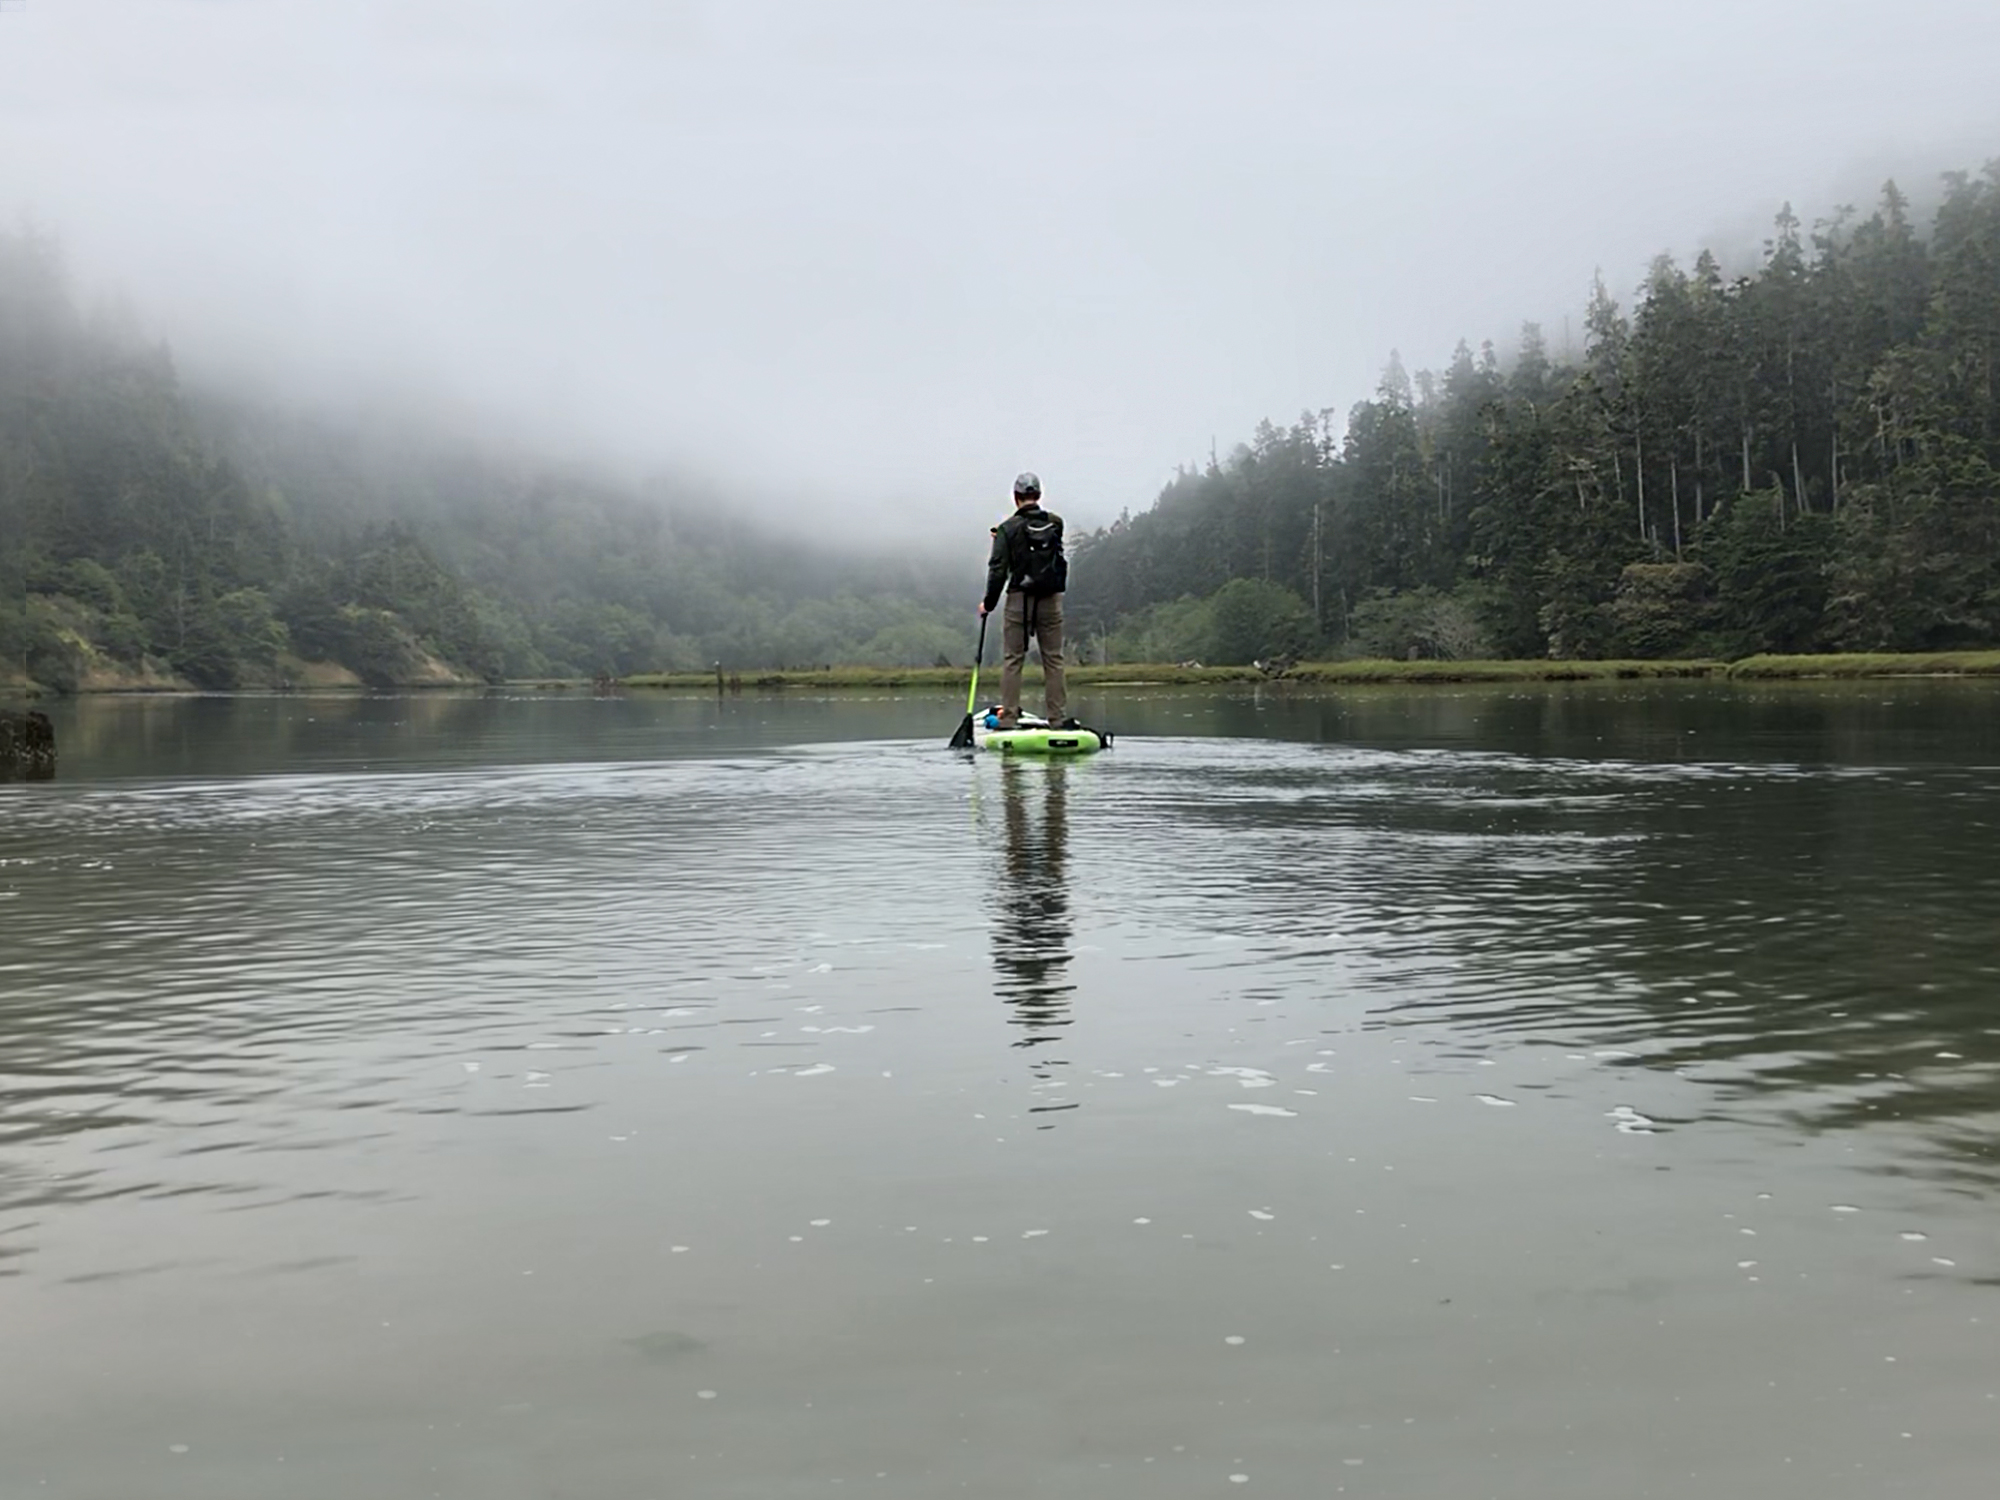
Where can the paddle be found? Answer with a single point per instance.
(963, 739)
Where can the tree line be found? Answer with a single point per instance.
(1801, 457)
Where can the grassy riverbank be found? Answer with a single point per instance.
(1937, 664)
(1944, 664)
(1328, 673)
(1166, 674)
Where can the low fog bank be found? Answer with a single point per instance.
(154, 534)
(883, 255)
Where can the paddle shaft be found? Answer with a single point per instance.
(972, 692)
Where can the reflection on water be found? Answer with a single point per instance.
(1032, 934)
(1558, 1094)
(1884, 723)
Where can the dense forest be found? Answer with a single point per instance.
(1798, 458)
(150, 535)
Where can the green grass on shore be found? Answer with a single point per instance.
(1883, 664)
(1500, 671)
(1951, 663)
(1322, 673)
(899, 677)
(833, 677)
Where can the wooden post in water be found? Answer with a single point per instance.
(27, 746)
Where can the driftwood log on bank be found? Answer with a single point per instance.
(27, 746)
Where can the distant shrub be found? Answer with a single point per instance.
(1425, 623)
(1252, 620)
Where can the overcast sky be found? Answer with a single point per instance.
(894, 250)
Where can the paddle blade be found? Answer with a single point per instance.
(963, 739)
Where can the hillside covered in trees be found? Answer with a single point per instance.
(150, 535)
(1801, 458)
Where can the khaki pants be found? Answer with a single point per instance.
(1048, 634)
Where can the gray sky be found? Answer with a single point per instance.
(895, 250)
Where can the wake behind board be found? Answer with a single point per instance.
(1035, 736)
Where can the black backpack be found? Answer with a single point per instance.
(1038, 555)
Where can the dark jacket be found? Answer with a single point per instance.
(1008, 562)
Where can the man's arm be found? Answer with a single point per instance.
(996, 568)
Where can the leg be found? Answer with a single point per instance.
(1013, 652)
(1049, 635)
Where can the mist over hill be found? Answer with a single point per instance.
(150, 534)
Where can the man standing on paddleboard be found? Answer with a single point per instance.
(1028, 563)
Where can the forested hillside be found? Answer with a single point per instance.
(1800, 458)
(149, 535)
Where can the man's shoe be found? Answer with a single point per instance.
(1069, 724)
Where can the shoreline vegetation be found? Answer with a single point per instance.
(1827, 666)
(1357, 673)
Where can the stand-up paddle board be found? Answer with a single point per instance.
(1035, 736)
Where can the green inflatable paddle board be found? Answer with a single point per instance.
(1044, 741)
(1035, 737)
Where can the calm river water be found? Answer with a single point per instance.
(1553, 1094)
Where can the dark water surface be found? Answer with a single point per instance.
(1567, 1093)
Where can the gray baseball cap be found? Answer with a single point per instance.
(1026, 483)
